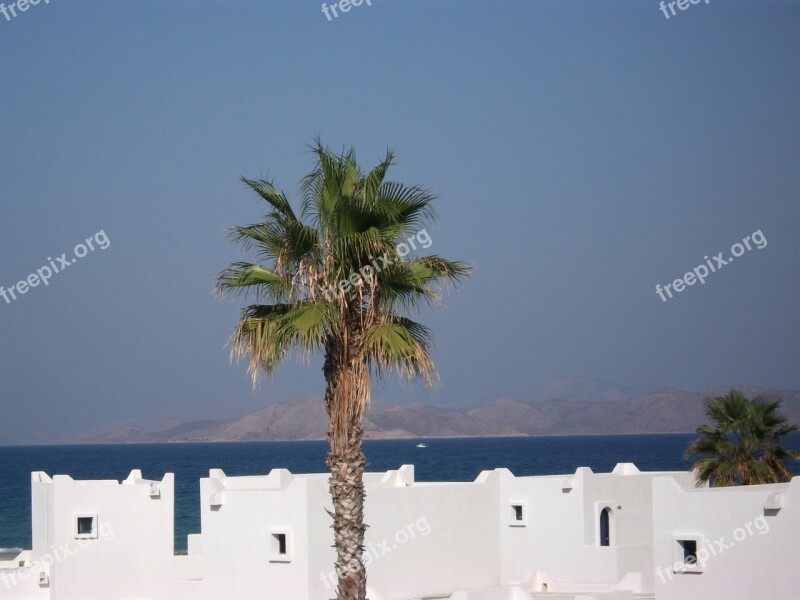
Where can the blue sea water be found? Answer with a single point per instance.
(443, 460)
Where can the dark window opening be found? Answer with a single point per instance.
(689, 551)
(517, 512)
(85, 525)
(605, 527)
(281, 539)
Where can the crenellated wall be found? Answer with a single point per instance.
(269, 537)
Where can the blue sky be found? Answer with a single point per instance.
(583, 153)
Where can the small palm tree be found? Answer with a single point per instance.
(742, 446)
(335, 278)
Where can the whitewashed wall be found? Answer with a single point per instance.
(128, 553)
(424, 539)
(751, 537)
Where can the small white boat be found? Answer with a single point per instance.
(422, 445)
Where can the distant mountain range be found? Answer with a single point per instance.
(565, 409)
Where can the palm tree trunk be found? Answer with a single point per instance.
(347, 492)
(346, 396)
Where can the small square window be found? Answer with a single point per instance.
(279, 549)
(86, 527)
(685, 555)
(518, 516)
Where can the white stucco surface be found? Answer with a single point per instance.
(499, 537)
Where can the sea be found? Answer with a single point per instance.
(458, 459)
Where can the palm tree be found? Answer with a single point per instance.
(335, 278)
(742, 446)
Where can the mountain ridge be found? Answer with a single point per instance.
(662, 410)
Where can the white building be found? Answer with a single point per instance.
(618, 535)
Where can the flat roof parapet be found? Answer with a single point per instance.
(134, 478)
(40, 477)
(626, 469)
(402, 477)
(276, 479)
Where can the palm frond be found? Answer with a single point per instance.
(409, 207)
(246, 277)
(271, 194)
(407, 285)
(402, 345)
(307, 326)
(374, 179)
(266, 333)
(256, 339)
